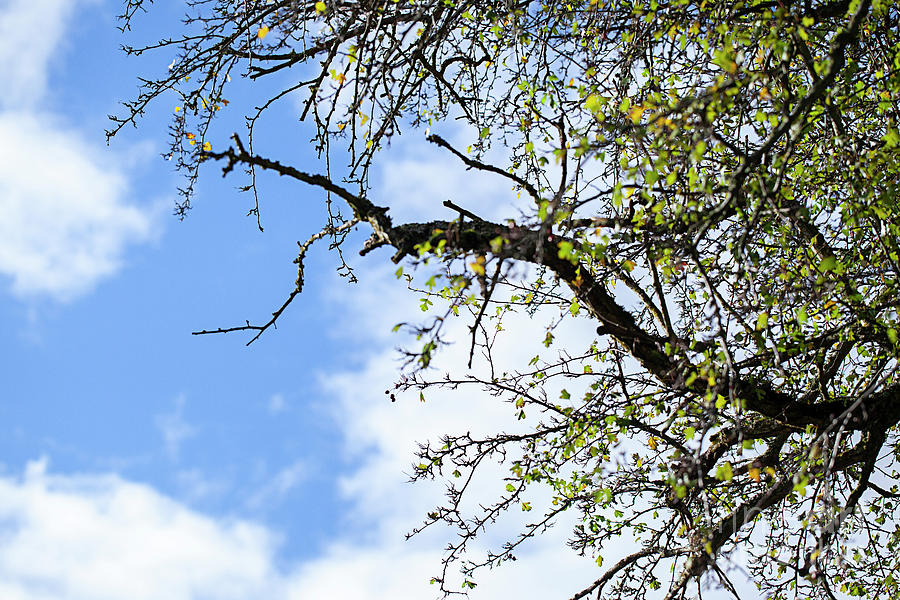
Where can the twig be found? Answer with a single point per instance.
(477, 164)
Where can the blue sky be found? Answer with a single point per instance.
(139, 461)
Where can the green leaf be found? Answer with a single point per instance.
(724, 472)
(828, 263)
(699, 150)
(574, 308)
(542, 210)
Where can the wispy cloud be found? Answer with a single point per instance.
(30, 32)
(277, 404)
(174, 429)
(196, 486)
(276, 488)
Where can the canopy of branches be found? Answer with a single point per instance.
(714, 184)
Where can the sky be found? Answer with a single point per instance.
(138, 461)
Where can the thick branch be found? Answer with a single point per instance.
(528, 246)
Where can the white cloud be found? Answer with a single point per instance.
(65, 225)
(66, 222)
(416, 177)
(401, 571)
(93, 537)
(381, 436)
(98, 537)
(380, 439)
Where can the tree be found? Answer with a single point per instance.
(714, 184)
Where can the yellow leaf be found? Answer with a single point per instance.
(652, 443)
(321, 8)
(664, 122)
(635, 113)
(753, 473)
(263, 32)
(477, 266)
(207, 146)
